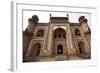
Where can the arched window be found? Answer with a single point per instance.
(81, 47)
(36, 49)
(55, 36)
(77, 32)
(59, 36)
(64, 36)
(40, 33)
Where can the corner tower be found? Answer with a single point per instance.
(32, 23)
(28, 33)
(83, 21)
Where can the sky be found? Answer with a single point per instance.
(45, 15)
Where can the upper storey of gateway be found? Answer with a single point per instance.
(35, 19)
(59, 19)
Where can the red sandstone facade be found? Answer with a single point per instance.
(58, 39)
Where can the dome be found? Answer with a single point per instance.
(35, 18)
(81, 18)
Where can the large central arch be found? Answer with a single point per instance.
(59, 33)
(59, 37)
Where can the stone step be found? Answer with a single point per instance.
(85, 56)
(61, 58)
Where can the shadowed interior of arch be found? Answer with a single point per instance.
(60, 49)
(36, 49)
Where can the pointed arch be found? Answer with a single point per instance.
(81, 47)
(59, 33)
(40, 33)
(36, 49)
(77, 32)
(59, 49)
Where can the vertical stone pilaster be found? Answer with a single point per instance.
(29, 48)
(71, 49)
(50, 40)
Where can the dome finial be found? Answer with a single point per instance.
(50, 15)
(35, 18)
(67, 15)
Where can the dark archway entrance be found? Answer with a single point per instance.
(59, 41)
(36, 49)
(81, 47)
(60, 49)
(82, 50)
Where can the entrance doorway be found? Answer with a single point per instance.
(36, 49)
(60, 49)
(59, 38)
(81, 47)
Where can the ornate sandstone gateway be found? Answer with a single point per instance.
(58, 39)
